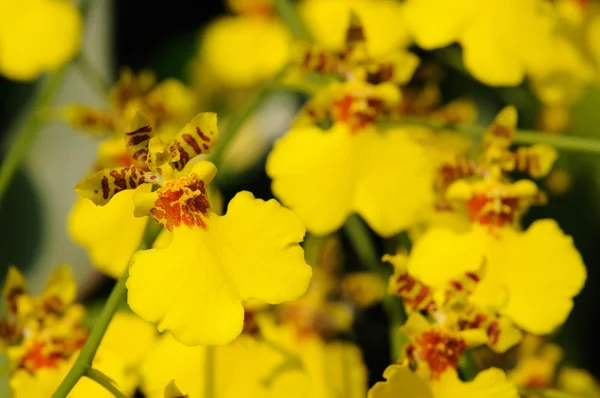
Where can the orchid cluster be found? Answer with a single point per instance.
(258, 297)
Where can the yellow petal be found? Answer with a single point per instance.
(129, 337)
(261, 45)
(485, 56)
(100, 187)
(490, 383)
(196, 137)
(507, 39)
(195, 286)
(441, 255)
(325, 175)
(313, 173)
(109, 233)
(394, 182)
(400, 383)
(437, 23)
(50, 38)
(541, 271)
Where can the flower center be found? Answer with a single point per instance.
(439, 350)
(182, 201)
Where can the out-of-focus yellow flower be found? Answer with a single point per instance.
(451, 304)
(318, 311)
(37, 36)
(354, 104)
(363, 288)
(324, 176)
(402, 383)
(502, 40)
(168, 105)
(578, 381)
(435, 350)
(243, 50)
(123, 347)
(572, 66)
(43, 336)
(531, 276)
(537, 368)
(327, 22)
(277, 364)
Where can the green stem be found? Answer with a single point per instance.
(92, 76)
(209, 372)
(359, 236)
(562, 142)
(104, 381)
(287, 11)
(236, 122)
(83, 362)
(28, 134)
(312, 246)
(549, 393)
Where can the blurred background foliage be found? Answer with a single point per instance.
(165, 38)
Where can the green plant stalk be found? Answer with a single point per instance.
(287, 12)
(359, 236)
(83, 362)
(29, 132)
(236, 122)
(561, 142)
(104, 381)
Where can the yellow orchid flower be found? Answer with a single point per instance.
(502, 40)
(402, 383)
(47, 332)
(572, 67)
(578, 381)
(255, 36)
(218, 260)
(234, 257)
(324, 176)
(531, 276)
(435, 350)
(37, 36)
(111, 233)
(123, 348)
(451, 304)
(537, 364)
(167, 104)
